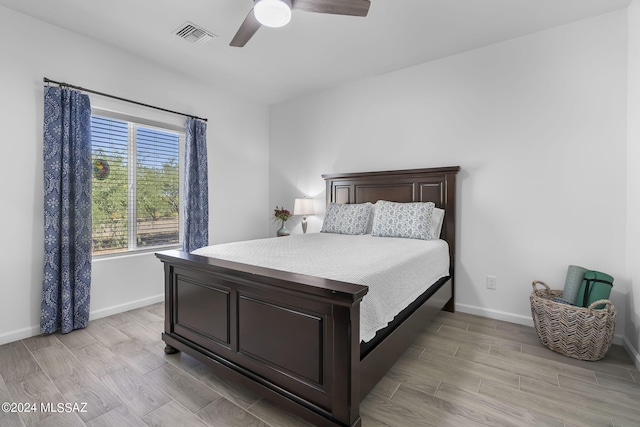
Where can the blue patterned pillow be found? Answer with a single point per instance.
(346, 218)
(409, 220)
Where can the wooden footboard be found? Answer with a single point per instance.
(291, 336)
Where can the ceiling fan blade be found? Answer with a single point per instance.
(246, 30)
(336, 7)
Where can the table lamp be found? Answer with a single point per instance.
(303, 207)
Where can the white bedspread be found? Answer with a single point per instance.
(396, 270)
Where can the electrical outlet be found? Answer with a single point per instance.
(491, 282)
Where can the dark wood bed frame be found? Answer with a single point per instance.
(295, 339)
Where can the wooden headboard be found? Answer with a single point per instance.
(436, 185)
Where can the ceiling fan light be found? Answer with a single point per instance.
(273, 13)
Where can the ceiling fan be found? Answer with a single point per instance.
(277, 13)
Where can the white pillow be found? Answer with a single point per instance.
(408, 220)
(372, 215)
(437, 219)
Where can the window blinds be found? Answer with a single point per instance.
(135, 186)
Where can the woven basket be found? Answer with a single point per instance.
(579, 332)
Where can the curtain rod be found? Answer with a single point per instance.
(46, 80)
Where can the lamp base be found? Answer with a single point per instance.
(304, 225)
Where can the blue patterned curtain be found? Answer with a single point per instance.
(67, 210)
(196, 189)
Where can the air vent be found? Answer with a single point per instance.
(193, 33)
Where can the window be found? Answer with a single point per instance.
(135, 185)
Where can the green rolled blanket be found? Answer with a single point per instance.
(595, 286)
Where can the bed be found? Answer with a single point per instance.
(296, 338)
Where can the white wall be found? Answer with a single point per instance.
(538, 125)
(238, 161)
(632, 325)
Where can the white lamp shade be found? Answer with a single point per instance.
(273, 13)
(303, 207)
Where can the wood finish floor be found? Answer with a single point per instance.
(463, 370)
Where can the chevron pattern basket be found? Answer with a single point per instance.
(579, 332)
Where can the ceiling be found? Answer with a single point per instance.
(314, 51)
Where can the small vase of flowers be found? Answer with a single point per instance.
(281, 214)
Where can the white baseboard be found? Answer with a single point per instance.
(495, 314)
(635, 356)
(19, 334)
(528, 321)
(97, 314)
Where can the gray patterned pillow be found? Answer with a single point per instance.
(409, 220)
(346, 218)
